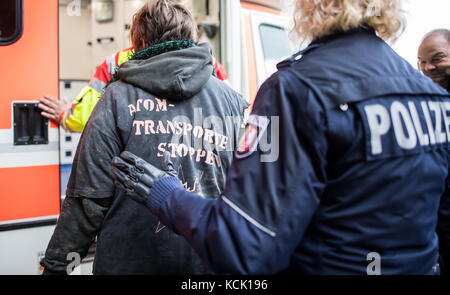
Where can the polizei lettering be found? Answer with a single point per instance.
(407, 125)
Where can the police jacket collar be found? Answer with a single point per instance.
(340, 34)
(356, 65)
(318, 41)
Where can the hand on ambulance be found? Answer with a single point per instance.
(136, 176)
(52, 108)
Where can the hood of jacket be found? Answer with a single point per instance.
(175, 75)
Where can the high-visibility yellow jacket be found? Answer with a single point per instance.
(75, 118)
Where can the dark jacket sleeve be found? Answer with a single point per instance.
(443, 230)
(271, 194)
(77, 227)
(90, 189)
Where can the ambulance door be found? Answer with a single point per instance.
(271, 43)
(232, 45)
(254, 39)
(266, 43)
(29, 144)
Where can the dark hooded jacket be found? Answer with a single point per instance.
(170, 102)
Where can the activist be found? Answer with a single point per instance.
(166, 98)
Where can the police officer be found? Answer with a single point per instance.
(434, 56)
(361, 165)
(434, 62)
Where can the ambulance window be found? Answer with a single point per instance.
(275, 44)
(10, 21)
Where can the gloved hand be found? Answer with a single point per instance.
(136, 176)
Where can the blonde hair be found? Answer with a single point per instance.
(317, 18)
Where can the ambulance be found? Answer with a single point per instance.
(53, 47)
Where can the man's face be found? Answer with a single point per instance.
(434, 59)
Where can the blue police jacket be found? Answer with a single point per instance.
(342, 170)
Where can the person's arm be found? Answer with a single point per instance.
(443, 230)
(53, 108)
(78, 225)
(70, 116)
(90, 189)
(75, 118)
(270, 197)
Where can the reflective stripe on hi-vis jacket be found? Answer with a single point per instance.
(75, 118)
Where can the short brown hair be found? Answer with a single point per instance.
(160, 21)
